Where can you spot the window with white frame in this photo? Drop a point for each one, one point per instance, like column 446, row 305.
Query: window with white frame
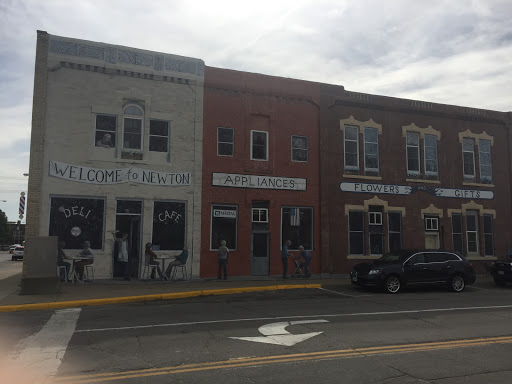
column 299, row 148
column 351, row 147
column 488, row 235
column 133, row 118
column 375, row 218
column 105, row 136
column 371, row 150
column 472, row 231
column 394, row 231
column 225, row 141
column 432, row 224
column 413, row 153
column 468, row 155
column 158, row 136
column 457, row 234
column 430, row 151
column 484, row 157
column 356, row 233
column 259, row 145
column 224, row 226
column 260, row 215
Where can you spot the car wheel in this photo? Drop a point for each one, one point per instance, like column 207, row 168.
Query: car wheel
column 457, row 283
column 393, row 284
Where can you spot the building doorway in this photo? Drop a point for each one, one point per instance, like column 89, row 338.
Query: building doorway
column 260, row 254
column 128, row 220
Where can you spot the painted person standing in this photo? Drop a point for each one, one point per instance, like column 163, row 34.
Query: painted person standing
column 306, row 256
column 284, row 258
column 223, row 260
column 122, row 254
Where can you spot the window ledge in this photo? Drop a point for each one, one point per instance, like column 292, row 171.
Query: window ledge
column 424, row 181
column 362, row 257
column 478, row 184
column 476, row 257
column 362, row 177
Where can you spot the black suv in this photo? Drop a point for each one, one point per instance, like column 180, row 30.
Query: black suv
column 409, row 267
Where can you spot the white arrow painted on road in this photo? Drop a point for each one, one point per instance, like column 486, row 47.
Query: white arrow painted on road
column 275, row 333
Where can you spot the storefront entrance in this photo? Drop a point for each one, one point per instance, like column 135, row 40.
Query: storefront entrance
column 128, row 220
column 260, row 254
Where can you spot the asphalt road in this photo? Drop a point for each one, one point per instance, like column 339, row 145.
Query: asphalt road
column 352, row 336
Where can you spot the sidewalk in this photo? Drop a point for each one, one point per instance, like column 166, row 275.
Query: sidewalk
column 118, row 291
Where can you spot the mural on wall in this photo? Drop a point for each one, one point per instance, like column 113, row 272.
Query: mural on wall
column 256, row 181
column 407, row 190
column 75, row 220
column 169, row 225
column 116, row 176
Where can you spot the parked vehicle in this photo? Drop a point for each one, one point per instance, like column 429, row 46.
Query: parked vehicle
column 398, row 269
column 501, row 271
column 18, row 253
column 13, row 247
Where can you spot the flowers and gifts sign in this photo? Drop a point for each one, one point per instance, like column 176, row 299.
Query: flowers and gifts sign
column 102, row 176
column 407, row 190
column 258, row 182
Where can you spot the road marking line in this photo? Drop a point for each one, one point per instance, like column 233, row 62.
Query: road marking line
column 413, row 311
column 258, row 361
column 344, row 294
column 42, row 352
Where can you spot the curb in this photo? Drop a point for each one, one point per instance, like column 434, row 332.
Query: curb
column 160, row 296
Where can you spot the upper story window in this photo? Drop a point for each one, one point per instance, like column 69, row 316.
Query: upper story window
column 484, row 156
column 430, row 151
column 260, row 215
column 225, row 141
column 351, row 148
column 431, row 223
column 158, row 136
column 299, row 148
column 105, row 136
column 371, row 150
column 468, row 155
column 259, row 145
column 413, row 153
column 133, row 118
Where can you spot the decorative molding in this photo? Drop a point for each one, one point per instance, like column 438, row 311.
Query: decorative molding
column 362, row 177
column 376, row 201
column 423, row 181
column 478, row 184
column 431, row 210
column 489, row 212
column 477, row 136
column 422, row 131
column 451, row 211
column 361, row 124
column 351, row 207
column 472, row 206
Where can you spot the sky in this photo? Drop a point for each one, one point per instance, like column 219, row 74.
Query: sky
column 444, row 51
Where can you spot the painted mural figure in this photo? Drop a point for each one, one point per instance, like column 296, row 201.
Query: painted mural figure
column 305, row 256
column 105, row 141
column 284, row 258
column 181, row 259
column 60, row 260
column 87, row 258
column 121, row 253
column 223, row 260
column 150, row 260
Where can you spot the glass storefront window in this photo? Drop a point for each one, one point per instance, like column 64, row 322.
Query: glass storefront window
column 169, row 224
column 224, row 226
column 297, row 226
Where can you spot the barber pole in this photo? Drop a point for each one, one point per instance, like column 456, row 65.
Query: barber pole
column 22, row 204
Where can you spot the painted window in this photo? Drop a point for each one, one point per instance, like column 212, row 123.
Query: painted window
column 297, row 226
column 457, row 234
column 356, row 232
column 260, row 215
column 158, row 136
column 169, row 225
column 225, row 141
column 394, row 231
column 430, row 151
column 488, row 235
column 432, row 224
column 371, row 150
column 375, row 218
column 468, row 155
column 259, row 145
column 133, row 118
column 77, row 219
column 224, row 226
column 351, row 147
column 375, row 231
column 413, row 153
column 105, row 136
column 484, row 157
column 299, row 148
column 472, row 231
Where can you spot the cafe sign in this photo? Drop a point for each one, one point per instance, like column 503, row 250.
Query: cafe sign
column 258, row 182
column 391, row 189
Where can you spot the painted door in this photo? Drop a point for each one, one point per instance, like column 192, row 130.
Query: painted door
column 431, row 240
column 259, row 254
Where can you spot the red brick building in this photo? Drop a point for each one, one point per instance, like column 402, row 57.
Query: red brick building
column 400, row 173
column 260, row 171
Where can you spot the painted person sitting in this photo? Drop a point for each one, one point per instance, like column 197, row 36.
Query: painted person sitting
column 181, row 259
column 87, row 258
column 151, row 262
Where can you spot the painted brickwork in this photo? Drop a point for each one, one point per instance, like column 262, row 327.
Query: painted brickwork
column 281, row 107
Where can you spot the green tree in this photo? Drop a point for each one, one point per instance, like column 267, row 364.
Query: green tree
column 4, row 228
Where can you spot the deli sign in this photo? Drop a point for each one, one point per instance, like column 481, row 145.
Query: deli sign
column 390, row 189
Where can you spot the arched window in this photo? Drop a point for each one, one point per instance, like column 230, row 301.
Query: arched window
column 133, row 118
